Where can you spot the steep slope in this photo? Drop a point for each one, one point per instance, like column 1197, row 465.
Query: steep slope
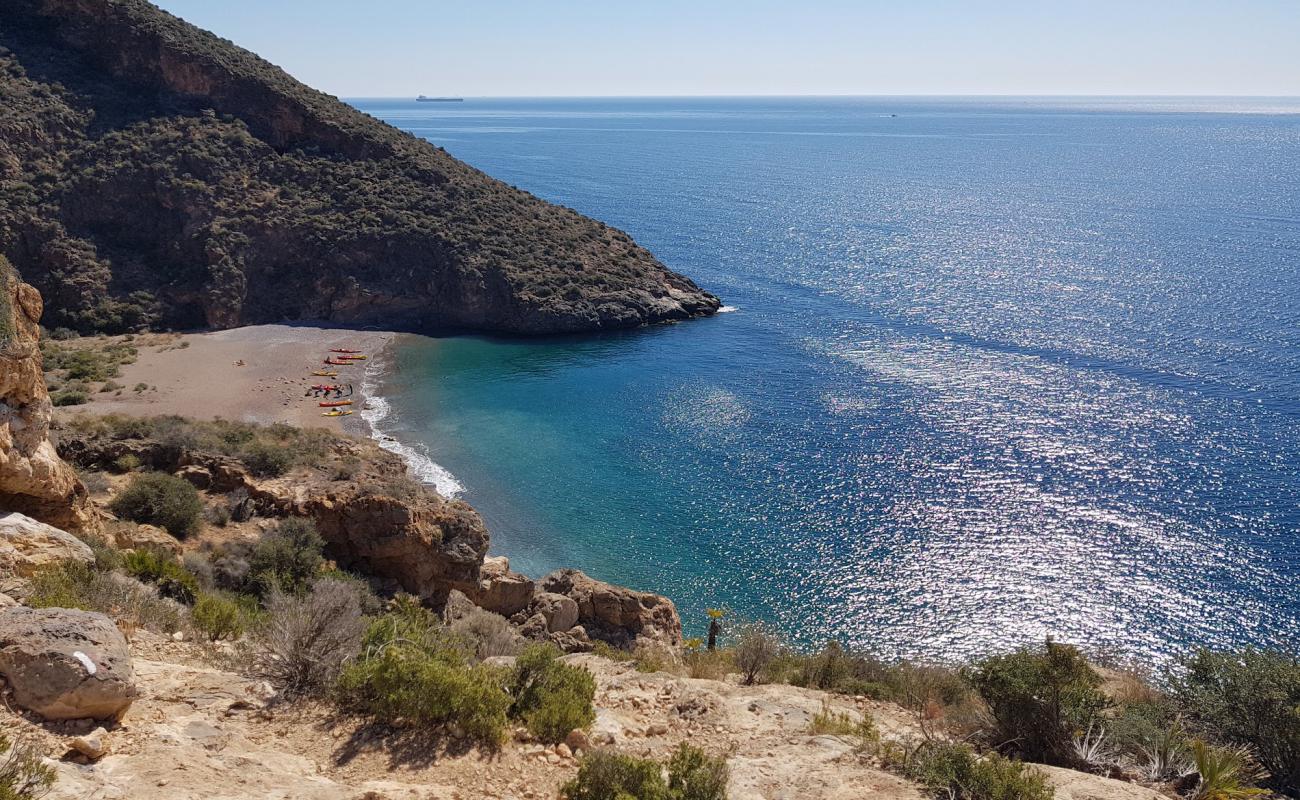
column 33, row 479
column 152, row 173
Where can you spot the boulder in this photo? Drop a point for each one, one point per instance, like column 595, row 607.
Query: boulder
column 561, row 612
column 615, row 614
column 1068, row 784
column 93, row 745
column 27, row 546
column 66, row 664
column 33, row 479
column 499, row 590
column 130, row 536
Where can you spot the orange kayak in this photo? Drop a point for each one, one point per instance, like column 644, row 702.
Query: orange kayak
column 334, row 403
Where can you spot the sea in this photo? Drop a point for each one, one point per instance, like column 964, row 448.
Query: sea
column 989, row 369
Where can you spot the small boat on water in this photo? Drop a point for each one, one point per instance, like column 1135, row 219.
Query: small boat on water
column 326, row 373
column 342, row 350
column 335, row 403
column 338, row 412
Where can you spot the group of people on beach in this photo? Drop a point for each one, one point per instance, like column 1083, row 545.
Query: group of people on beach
column 324, row 390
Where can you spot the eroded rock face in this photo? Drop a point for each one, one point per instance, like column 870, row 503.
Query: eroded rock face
column 27, row 546
column 614, row 613
column 33, row 479
column 66, row 664
column 499, row 590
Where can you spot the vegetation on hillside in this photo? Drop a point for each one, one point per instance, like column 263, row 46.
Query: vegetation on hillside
column 132, row 200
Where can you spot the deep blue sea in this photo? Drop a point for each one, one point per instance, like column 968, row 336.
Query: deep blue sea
column 997, row 369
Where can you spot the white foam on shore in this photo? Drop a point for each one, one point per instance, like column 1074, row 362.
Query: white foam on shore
column 375, row 410
column 727, row 309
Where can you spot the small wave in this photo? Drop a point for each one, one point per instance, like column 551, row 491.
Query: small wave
column 727, row 309
column 424, row 468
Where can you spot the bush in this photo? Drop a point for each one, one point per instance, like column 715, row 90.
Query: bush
column 160, row 569
column 156, row 498
column 411, row 670
column 1250, row 697
column 1225, row 773
column 306, row 640
column 127, row 462
column 830, row 722
column 23, row 776
column 551, row 697
column 607, row 775
column 755, row 650
column 107, row 557
column 126, row 600
column 1039, row 698
column 693, row 775
column 266, row 460
column 956, row 772
column 487, row 634
column 70, row 397
column 287, row 558
column 220, row 615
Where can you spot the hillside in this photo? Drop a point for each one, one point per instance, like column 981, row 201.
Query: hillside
column 152, row 173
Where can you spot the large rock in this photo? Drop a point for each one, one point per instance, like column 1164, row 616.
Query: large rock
column 559, row 611
column 130, row 536
column 499, row 590
column 27, row 546
column 66, row 664
column 33, row 479
column 1068, row 784
column 615, row 614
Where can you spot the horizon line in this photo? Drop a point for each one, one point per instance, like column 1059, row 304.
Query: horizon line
column 1083, row 95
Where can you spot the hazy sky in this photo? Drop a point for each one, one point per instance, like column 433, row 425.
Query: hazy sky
column 357, row 48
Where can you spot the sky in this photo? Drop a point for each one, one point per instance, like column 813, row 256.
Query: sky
column 477, row 48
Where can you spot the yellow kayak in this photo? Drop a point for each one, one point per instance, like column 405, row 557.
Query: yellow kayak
column 336, row 413
column 352, row 358
column 326, row 373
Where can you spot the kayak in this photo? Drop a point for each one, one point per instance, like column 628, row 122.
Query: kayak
column 342, row 350
column 326, row 373
column 334, row 363
column 353, row 358
column 325, row 387
column 333, row 403
column 338, row 412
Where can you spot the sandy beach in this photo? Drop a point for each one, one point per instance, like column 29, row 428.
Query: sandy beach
column 255, row 374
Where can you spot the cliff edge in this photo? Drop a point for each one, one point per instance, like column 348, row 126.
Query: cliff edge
column 152, row 173
column 33, row 479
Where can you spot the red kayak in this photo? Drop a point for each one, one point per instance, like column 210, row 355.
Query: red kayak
column 325, row 387
column 335, row 403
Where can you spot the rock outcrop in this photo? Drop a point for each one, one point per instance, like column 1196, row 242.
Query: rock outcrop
column 33, row 479
column 614, row 613
column 27, row 546
column 66, row 664
column 151, row 172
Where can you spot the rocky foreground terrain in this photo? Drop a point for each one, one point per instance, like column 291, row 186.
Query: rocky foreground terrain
column 154, row 174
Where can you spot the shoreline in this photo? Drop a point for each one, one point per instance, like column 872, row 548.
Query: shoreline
column 200, row 375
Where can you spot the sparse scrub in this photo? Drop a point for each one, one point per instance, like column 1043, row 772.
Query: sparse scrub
column 956, row 772
column 829, row 722
column 23, row 776
column 487, row 634
column 756, row 648
column 156, row 498
column 1039, row 697
column 220, row 615
column 551, row 697
column 74, row 585
column 1251, row 698
column 287, row 558
column 161, row 569
column 306, row 640
column 609, row 775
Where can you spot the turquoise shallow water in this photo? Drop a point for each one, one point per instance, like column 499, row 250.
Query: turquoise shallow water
column 998, row 368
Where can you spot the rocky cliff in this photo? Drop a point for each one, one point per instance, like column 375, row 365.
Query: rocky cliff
column 152, row 173
column 33, row 479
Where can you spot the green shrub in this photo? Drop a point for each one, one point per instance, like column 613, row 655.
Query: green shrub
column 23, row 776
column 107, row 557
column 267, row 460
column 830, row 722
column 1225, row 773
column 551, row 697
column 70, row 397
column 160, row 569
column 412, row 669
column 487, row 634
column 1252, row 698
column 220, row 615
column 608, row 775
column 127, row 462
column 1039, row 698
column 74, row 585
column 288, row 558
column 694, row 775
column 956, row 772
column 156, row 498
